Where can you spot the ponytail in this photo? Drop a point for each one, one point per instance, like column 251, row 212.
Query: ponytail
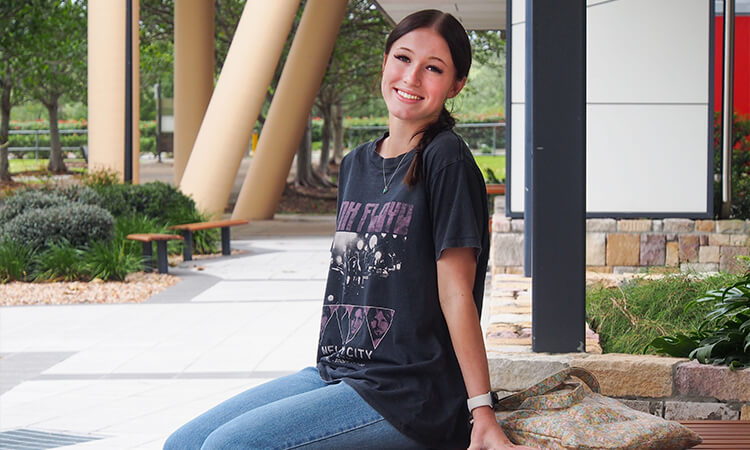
column 444, row 122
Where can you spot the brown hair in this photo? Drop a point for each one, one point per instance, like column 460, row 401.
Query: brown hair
column 458, row 42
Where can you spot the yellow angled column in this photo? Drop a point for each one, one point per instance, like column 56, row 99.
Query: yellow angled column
column 236, row 102
column 193, row 74
column 298, row 86
column 106, row 86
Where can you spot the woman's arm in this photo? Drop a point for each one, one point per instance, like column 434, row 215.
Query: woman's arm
column 456, row 268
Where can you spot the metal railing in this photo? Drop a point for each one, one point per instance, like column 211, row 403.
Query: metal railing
column 46, row 148
column 487, row 143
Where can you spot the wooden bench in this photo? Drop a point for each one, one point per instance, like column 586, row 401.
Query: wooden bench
column 721, row 434
column 161, row 249
column 495, row 189
column 188, row 229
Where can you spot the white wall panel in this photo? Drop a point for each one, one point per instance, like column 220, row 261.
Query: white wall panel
column 647, row 105
column 648, row 51
column 646, row 157
column 518, row 11
column 516, row 146
column 518, row 63
column 518, row 157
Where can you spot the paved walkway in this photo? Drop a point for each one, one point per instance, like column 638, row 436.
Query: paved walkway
column 130, row 374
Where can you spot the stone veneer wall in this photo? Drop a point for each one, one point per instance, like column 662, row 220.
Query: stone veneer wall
column 672, row 388
column 631, row 245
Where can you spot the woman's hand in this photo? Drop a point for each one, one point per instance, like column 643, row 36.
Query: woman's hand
column 487, row 433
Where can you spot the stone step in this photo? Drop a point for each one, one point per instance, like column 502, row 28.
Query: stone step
column 511, row 309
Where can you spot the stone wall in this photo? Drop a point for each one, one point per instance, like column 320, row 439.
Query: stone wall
column 631, row 245
column 673, row 388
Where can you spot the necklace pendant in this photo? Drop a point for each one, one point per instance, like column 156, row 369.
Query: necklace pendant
column 385, row 189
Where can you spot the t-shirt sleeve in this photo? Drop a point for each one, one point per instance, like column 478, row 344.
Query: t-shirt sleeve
column 458, row 205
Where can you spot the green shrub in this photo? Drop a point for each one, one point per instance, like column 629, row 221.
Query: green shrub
column 80, row 194
column 60, row 262
column 629, row 317
column 27, row 200
column 45, row 197
column 77, row 223
column 111, row 261
column 157, row 200
column 15, row 260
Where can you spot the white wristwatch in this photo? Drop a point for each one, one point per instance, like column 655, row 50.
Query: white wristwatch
column 480, row 400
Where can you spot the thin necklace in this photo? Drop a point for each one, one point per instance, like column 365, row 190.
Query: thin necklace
column 388, row 183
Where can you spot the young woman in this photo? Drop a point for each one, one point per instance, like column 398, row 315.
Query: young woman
column 401, row 347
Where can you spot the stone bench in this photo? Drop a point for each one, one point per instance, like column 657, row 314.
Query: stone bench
column 187, row 230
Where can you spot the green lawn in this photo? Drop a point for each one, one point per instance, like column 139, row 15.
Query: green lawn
column 23, row 165
column 494, row 163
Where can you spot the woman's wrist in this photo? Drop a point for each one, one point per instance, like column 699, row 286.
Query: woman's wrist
column 482, row 414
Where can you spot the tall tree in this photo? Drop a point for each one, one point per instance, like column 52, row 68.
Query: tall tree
column 57, row 62
column 14, row 39
column 352, row 74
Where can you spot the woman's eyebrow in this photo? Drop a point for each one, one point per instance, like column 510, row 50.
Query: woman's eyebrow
column 407, row 49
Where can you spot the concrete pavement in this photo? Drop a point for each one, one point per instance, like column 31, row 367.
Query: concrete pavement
column 125, row 376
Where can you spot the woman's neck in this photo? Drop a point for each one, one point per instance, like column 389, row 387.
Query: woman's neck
column 402, row 137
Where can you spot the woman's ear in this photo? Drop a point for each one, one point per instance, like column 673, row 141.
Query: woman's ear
column 382, row 67
column 456, row 88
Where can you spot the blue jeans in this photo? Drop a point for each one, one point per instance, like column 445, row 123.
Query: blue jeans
column 296, row 411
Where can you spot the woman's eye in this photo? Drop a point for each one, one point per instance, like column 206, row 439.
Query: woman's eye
column 402, row 58
column 435, row 69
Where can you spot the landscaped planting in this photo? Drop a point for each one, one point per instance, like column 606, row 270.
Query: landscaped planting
column 79, row 232
column 723, row 337
column 701, row 317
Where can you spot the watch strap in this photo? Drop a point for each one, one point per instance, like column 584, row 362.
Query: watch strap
column 479, row 400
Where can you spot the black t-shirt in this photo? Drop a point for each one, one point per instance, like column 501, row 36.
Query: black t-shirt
column 382, row 329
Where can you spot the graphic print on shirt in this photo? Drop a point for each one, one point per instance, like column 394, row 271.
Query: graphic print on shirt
column 369, row 245
column 349, row 319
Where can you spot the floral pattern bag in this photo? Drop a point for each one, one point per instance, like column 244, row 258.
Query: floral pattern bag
column 560, row 413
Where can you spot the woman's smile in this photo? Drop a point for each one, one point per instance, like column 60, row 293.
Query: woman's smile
column 407, row 96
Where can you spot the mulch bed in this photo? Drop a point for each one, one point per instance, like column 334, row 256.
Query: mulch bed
column 136, row 288
column 305, row 200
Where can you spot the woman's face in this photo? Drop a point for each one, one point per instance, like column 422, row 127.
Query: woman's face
column 418, row 76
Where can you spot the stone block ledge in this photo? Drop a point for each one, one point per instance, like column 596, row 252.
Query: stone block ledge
column 634, row 245
column 673, row 388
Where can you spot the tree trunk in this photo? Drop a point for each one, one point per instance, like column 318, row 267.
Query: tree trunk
column 325, row 147
column 338, row 133
column 306, row 176
column 4, row 127
column 56, row 162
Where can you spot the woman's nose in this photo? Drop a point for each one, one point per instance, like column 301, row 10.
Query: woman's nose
column 411, row 76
